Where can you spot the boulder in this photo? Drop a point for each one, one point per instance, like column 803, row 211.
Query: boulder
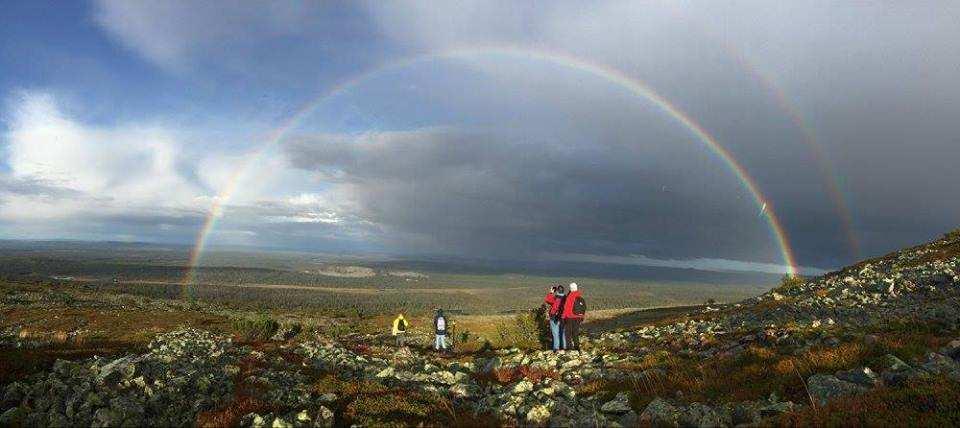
column 462, row 390
column 952, row 349
column 940, row 364
column 538, row 415
column 619, row 405
column 825, row 388
column 702, row 415
column 281, row 423
column 773, row 408
column 862, row 376
column 255, row 420
column 661, row 413
column 522, row 387
column 891, row 362
column 897, row 372
column 385, row 373
column 324, row 417
column 117, row 370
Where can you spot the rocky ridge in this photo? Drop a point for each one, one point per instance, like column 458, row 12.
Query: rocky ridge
column 187, row 372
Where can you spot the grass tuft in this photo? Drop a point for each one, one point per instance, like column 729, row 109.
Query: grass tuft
column 258, row 328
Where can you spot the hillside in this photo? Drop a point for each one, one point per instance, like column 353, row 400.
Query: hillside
column 875, row 344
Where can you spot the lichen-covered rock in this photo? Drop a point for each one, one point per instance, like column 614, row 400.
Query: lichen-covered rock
column 702, row 415
column 897, row 372
column 952, row 349
column 939, row 364
column 539, row 414
column 825, row 388
column 619, row 405
column 862, row 376
column 661, row 413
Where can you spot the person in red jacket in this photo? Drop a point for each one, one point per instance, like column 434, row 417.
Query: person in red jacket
column 554, row 301
column 574, row 309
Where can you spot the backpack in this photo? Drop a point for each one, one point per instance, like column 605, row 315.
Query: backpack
column 579, row 306
column 402, row 325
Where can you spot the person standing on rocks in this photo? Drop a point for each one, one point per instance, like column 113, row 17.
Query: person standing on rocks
column 440, row 327
column 400, row 325
column 574, row 309
column 554, row 301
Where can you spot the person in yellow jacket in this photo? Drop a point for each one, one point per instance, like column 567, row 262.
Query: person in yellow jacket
column 400, row 325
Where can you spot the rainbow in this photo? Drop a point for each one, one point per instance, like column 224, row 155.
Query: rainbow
column 605, row 72
column 825, row 167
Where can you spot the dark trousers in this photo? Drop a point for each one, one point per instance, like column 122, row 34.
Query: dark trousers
column 571, row 331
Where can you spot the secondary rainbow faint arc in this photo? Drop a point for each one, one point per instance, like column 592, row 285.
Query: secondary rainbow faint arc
column 608, row 73
column 826, row 168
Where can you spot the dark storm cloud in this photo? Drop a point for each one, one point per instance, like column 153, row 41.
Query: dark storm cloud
column 874, row 84
column 565, row 161
column 487, row 194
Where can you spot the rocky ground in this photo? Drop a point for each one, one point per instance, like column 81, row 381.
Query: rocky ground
column 873, row 344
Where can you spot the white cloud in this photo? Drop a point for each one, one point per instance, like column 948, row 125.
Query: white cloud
column 68, row 178
column 169, row 33
column 131, row 165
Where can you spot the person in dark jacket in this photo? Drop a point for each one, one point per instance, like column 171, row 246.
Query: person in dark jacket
column 554, row 301
column 440, row 327
column 574, row 309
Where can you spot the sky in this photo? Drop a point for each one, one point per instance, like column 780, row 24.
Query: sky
column 569, row 131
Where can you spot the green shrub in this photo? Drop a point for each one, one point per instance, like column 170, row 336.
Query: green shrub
column 261, row 327
column 57, row 296
column 528, row 330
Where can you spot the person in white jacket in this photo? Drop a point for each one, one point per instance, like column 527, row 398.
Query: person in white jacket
column 440, row 327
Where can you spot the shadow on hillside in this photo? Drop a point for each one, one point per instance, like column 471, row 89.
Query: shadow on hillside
column 636, row 318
